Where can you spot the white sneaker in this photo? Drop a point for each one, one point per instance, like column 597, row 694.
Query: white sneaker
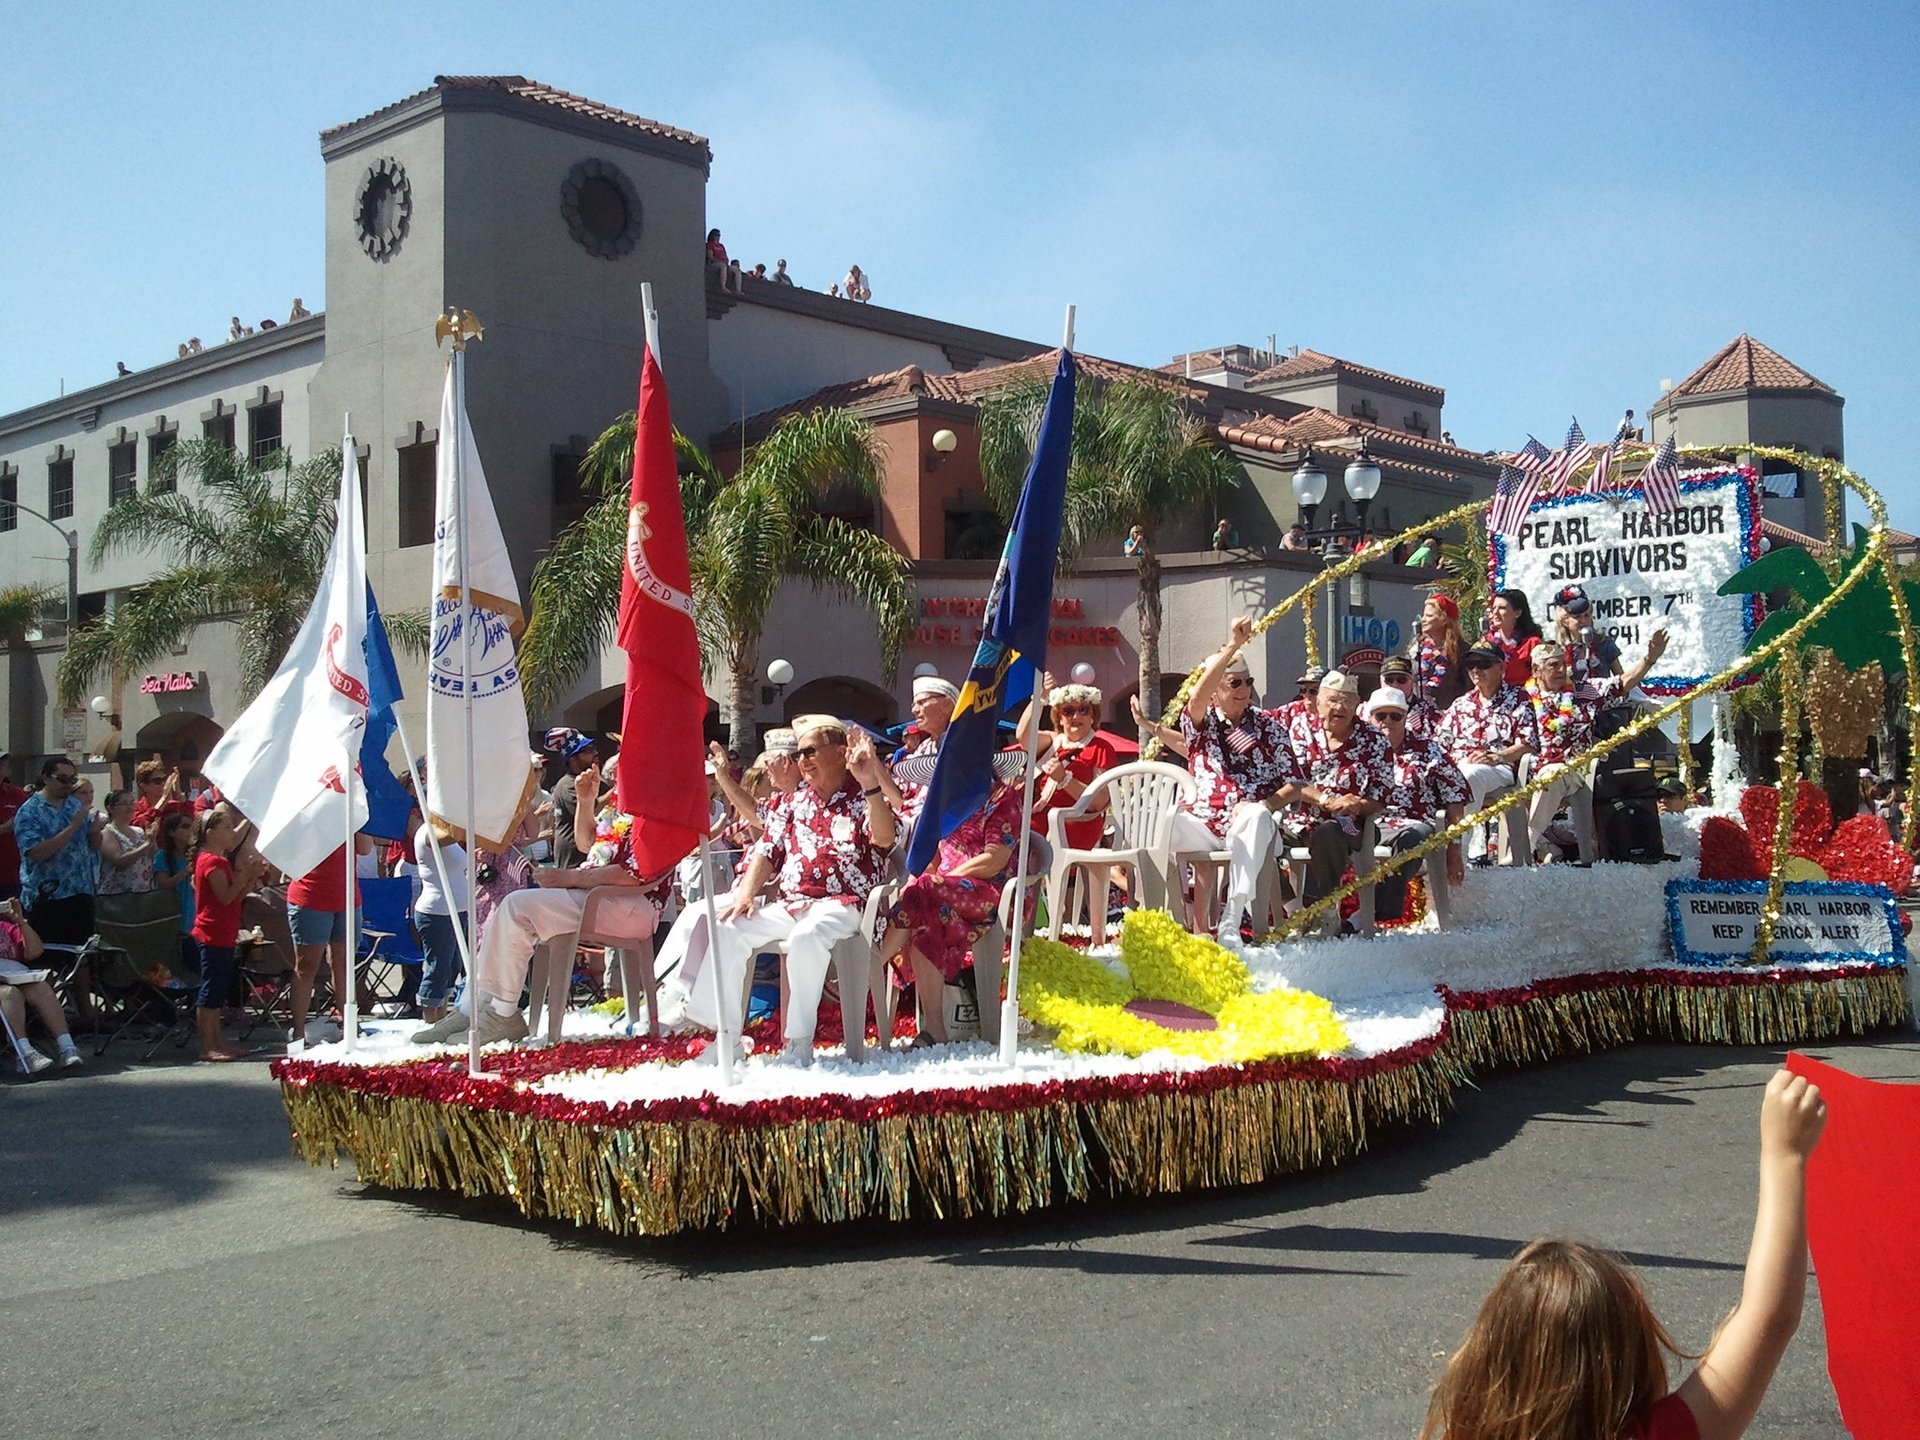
column 71, row 1058
column 32, row 1062
column 325, row 1031
column 444, row 1031
column 798, row 1053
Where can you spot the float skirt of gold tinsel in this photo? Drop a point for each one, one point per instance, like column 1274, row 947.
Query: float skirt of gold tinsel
column 661, row 1167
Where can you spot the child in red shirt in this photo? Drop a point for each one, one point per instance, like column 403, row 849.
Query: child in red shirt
column 218, row 893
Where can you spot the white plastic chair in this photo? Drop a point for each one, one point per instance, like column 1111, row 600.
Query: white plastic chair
column 603, row 923
column 1142, row 799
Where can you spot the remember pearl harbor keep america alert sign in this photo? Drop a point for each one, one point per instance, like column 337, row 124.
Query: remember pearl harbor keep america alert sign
column 1645, row 572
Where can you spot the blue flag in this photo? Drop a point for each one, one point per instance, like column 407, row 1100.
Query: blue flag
column 1019, row 611
column 388, row 803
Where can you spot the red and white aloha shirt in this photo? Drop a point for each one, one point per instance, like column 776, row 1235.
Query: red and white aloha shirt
column 1363, row 766
column 1248, row 760
column 1563, row 720
column 821, row 846
column 1475, row 723
column 912, row 797
column 1425, row 782
column 1287, row 713
column 1423, row 717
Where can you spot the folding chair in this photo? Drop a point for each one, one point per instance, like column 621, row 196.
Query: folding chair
column 1142, row 798
column 388, row 946
column 266, row 964
column 138, row 935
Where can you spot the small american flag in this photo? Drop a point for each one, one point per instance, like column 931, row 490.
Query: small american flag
column 1660, row 481
column 1602, row 478
column 1559, row 474
column 1239, row 739
column 1517, row 486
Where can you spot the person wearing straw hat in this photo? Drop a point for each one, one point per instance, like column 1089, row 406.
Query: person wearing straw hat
column 1243, row 768
column 825, row 851
column 1346, row 778
column 1071, row 753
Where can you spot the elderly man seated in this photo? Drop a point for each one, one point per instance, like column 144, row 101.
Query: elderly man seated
column 825, row 850
column 527, row 918
column 1486, row 732
column 1563, row 714
column 1429, row 793
column 1345, row 778
column 1242, row 767
column 933, row 702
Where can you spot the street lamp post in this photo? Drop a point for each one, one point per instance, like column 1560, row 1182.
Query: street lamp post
column 72, row 537
column 1309, row 490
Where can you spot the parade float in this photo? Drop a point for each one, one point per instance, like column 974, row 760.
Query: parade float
column 1168, row 1064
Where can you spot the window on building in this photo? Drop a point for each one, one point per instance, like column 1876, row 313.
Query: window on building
column 263, row 430
column 122, row 470
column 1416, row 424
column 159, row 468
column 416, row 493
column 60, row 488
column 219, row 428
column 1782, row 480
column 9, row 497
column 570, row 498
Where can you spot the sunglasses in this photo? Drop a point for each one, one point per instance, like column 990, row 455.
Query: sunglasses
column 807, row 752
column 70, row 779
column 1238, row 682
column 1073, row 709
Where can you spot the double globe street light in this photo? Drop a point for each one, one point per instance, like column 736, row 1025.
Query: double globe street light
column 1309, row 490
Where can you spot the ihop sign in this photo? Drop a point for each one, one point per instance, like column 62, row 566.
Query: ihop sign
column 1370, row 631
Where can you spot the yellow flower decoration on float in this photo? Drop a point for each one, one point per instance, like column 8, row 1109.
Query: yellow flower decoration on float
column 1084, row 1003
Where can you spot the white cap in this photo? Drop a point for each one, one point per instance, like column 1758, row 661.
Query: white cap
column 934, row 685
column 1387, row 698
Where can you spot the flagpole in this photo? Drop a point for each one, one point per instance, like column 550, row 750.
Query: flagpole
column 474, row 1067
column 350, row 1002
column 1010, row 1007
column 723, row 1040
column 460, row 939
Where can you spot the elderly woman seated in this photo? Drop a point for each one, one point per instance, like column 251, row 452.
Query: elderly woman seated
column 19, row 947
column 931, row 929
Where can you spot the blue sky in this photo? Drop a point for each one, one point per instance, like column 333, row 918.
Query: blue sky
column 1545, row 208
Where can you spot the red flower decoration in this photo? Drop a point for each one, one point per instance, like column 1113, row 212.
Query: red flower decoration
column 1726, row 851
column 1859, row 849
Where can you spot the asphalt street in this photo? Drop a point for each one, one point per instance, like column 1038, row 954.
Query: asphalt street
column 168, row 1268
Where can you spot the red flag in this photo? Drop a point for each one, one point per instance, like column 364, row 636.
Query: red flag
column 661, row 770
column 1861, row 1184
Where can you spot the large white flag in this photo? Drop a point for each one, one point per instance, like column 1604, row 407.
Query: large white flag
column 502, row 780
column 286, row 760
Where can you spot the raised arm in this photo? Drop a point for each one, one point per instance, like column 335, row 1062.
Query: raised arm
column 739, row 799
column 1656, row 647
column 1724, row 1392
column 1216, row 666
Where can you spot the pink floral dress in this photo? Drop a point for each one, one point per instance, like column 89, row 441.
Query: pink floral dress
column 944, row 914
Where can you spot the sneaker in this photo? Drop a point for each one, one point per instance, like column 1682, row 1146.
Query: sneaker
column 448, row 1028
column 71, row 1058
column 32, row 1062
column 491, row 1027
column 798, row 1053
column 325, row 1031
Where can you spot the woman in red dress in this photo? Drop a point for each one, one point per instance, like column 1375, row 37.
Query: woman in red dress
column 1513, row 632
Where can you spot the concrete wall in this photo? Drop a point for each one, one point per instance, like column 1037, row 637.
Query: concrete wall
column 766, row 358
column 1806, row 421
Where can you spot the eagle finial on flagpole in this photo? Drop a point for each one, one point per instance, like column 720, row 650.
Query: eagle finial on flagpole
column 461, row 325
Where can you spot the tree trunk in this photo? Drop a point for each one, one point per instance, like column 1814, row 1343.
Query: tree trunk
column 1147, row 607
column 742, row 673
column 1840, row 778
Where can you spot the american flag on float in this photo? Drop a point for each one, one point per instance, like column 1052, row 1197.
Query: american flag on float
column 1517, row 486
column 1660, row 481
column 1602, row 478
column 1239, row 740
column 1559, row 474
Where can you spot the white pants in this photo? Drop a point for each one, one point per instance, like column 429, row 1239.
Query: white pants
column 810, row 928
column 1483, row 782
column 1571, row 788
column 525, row 919
column 1250, row 840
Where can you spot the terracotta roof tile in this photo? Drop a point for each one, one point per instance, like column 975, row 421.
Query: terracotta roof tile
column 1316, row 427
column 1745, row 364
column 522, row 88
column 1313, row 362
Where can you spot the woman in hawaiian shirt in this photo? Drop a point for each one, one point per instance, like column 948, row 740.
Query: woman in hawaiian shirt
column 941, row 912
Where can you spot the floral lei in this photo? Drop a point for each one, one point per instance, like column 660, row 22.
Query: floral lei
column 1557, row 709
column 609, row 829
column 1433, row 665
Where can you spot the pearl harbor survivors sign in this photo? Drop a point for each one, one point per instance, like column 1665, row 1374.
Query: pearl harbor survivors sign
column 1645, row 571
column 1713, row 922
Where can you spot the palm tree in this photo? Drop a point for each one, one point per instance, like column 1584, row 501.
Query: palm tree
column 21, row 608
column 1138, row 457
column 245, row 542
column 746, row 534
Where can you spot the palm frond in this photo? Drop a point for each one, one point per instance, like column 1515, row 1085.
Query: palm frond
column 576, row 596
column 811, row 453
column 409, row 632
column 22, row 608
column 834, row 555
column 147, row 628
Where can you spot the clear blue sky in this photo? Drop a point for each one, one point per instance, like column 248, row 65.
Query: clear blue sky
column 1545, row 208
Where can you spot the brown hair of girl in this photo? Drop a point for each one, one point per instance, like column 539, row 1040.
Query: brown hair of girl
column 1564, row 1348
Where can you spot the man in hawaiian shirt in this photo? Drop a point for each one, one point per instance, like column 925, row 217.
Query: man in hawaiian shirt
column 1486, row 732
column 58, row 837
column 1345, row 779
column 933, row 702
column 526, row 919
column 1305, row 699
column 1242, row 768
column 1429, row 793
column 1563, row 716
column 826, row 849
column 1423, row 716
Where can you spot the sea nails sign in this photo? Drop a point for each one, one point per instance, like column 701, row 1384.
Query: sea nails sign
column 169, row 684
column 1645, row 571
